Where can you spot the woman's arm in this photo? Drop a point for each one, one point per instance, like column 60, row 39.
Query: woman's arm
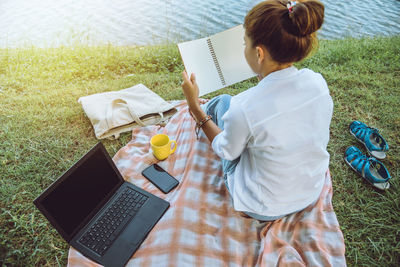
column 191, row 92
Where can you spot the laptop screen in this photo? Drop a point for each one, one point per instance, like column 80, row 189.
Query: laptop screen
column 85, row 187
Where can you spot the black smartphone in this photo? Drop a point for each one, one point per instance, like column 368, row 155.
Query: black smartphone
column 160, row 178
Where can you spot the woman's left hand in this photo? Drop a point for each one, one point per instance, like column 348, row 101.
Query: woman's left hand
column 190, row 89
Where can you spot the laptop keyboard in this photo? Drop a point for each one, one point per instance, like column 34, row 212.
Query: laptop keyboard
column 103, row 232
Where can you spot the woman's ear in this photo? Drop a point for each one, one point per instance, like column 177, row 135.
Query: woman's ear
column 260, row 54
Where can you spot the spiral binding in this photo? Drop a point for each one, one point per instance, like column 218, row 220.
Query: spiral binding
column 216, row 63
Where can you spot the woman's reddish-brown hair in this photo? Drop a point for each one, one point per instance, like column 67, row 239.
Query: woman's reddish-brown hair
column 288, row 35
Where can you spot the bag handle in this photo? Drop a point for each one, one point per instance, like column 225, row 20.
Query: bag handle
column 135, row 117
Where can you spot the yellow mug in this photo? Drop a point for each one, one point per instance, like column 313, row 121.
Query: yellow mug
column 161, row 146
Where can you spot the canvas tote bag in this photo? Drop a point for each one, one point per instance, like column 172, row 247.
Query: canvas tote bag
column 112, row 113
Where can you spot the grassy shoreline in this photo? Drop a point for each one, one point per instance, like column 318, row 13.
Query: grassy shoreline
column 43, row 131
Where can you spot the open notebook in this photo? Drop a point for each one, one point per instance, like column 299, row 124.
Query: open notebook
column 218, row 60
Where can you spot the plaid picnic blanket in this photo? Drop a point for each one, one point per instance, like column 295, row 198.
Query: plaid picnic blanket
column 201, row 228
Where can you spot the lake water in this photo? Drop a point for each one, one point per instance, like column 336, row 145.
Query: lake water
column 50, row 23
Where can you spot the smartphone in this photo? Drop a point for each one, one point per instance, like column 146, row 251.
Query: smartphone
column 160, row 178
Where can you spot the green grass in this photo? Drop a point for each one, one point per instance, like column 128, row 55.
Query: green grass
column 43, row 131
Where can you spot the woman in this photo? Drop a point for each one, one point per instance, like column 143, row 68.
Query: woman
column 272, row 138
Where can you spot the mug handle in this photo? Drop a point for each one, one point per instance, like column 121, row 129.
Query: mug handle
column 173, row 150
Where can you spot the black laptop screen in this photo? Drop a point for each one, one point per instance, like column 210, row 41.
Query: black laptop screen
column 81, row 192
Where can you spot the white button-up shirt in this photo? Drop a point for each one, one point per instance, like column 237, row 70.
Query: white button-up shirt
column 280, row 130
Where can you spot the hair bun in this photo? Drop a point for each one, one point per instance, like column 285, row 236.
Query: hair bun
column 306, row 17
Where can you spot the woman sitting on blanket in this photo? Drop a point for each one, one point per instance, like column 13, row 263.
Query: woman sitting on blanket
column 272, row 138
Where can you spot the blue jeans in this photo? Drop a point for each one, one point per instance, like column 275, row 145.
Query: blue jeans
column 217, row 107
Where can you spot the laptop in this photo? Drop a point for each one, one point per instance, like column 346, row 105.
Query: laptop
column 97, row 212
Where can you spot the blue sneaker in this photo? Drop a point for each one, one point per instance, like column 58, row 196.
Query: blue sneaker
column 368, row 167
column 370, row 137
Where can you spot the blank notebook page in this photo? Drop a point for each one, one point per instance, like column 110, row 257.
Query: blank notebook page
column 229, row 48
column 197, row 59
